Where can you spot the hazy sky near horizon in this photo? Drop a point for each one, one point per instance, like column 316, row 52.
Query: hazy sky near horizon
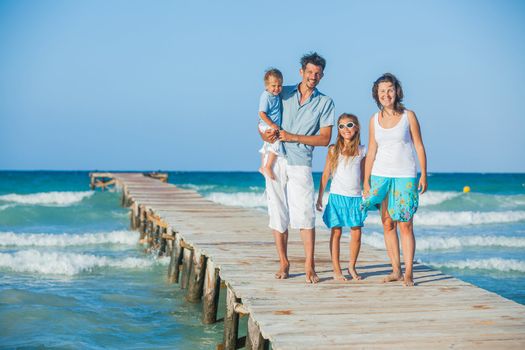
column 174, row 85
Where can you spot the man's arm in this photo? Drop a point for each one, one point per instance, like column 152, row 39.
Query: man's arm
column 323, row 139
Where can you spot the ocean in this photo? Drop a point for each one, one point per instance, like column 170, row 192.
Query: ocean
column 72, row 274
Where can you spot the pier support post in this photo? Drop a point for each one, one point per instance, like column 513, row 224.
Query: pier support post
column 210, row 299
column 135, row 216
column 254, row 339
column 187, row 261
column 196, row 278
column 231, row 322
column 142, row 223
column 176, row 260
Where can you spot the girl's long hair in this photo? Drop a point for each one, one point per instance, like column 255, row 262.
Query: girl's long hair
column 347, row 151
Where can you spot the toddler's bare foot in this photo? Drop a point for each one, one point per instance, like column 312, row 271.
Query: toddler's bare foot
column 261, row 170
column 311, row 276
column 283, row 272
column 268, row 172
column 354, row 274
column 339, row 277
column 408, row 281
column 393, row 277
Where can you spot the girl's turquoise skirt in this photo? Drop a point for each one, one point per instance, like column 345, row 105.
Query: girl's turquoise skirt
column 343, row 211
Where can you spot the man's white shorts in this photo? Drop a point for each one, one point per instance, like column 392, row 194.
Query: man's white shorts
column 290, row 197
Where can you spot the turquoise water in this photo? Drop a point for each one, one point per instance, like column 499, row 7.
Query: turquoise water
column 73, row 276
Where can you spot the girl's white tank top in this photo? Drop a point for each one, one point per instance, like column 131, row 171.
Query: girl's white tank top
column 395, row 150
column 346, row 180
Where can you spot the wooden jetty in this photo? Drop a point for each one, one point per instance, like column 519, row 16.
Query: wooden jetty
column 211, row 243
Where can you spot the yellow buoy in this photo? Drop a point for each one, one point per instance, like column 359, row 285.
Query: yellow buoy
column 466, row 189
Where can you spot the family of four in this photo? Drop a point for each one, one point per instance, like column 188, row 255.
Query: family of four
column 293, row 120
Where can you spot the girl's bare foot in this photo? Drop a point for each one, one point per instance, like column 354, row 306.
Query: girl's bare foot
column 339, row 277
column 354, row 274
column 311, row 276
column 393, row 277
column 283, row 272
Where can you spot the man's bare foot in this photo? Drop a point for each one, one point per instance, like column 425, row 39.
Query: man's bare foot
column 354, row 274
column 408, row 281
column 283, row 272
column 339, row 277
column 311, row 276
column 268, row 172
column 393, row 277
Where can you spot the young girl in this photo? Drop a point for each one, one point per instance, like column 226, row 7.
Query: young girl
column 390, row 181
column 270, row 113
column 344, row 162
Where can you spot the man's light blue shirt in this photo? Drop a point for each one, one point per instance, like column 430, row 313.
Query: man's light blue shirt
column 307, row 119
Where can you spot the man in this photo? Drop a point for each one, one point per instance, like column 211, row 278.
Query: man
column 308, row 116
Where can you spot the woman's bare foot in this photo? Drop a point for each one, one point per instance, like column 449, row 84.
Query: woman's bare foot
column 393, row 277
column 339, row 277
column 311, row 276
column 354, row 274
column 283, row 272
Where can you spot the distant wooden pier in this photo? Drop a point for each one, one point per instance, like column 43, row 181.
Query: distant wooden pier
column 210, row 243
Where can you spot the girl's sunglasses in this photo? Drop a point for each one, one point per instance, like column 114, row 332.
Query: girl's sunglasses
column 348, row 125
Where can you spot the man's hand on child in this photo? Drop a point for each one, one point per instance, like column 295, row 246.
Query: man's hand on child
column 319, row 205
column 270, row 135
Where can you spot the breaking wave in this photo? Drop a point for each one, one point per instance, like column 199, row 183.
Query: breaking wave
column 61, row 199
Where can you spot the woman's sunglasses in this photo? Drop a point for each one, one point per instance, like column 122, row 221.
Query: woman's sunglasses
column 348, row 125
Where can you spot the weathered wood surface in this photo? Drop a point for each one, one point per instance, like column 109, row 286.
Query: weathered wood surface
column 440, row 312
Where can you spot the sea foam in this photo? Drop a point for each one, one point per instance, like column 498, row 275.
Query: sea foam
column 494, row 264
column 436, row 197
column 376, row 240
column 459, row 218
column 65, row 239
column 239, row 199
column 55, row 263
column 61, row 199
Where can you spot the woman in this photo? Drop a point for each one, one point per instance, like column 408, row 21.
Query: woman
column 391, row 174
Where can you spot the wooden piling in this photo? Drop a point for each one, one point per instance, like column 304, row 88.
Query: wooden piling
column 211, row 290
column 187, row 262
column 254, row 339
column 231, row 321
column 176, row 260
column 196, row 278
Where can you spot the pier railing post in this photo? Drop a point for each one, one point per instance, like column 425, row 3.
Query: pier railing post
column 254, row 339
column 231, row 322
column 210, row 299
column 196, row 278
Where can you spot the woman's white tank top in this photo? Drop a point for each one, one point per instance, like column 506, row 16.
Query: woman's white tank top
column 395, row 150
column 346, row 180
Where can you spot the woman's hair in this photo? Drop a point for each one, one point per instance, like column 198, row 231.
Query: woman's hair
column 350, row 150
column 389, row 78
column 273, row 72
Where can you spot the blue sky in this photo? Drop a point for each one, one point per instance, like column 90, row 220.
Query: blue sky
column 174, row 85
